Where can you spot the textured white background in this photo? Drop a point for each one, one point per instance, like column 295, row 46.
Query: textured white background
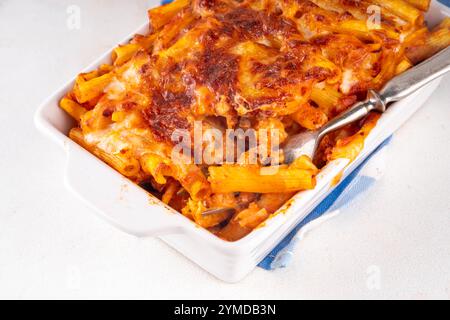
column 52, row 246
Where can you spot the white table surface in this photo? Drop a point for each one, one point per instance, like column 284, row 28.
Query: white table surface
column 392, row 243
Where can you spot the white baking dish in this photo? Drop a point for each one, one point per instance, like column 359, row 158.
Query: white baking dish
column 132, row 210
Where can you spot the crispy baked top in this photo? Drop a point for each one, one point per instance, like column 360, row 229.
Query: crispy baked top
column 254, row 59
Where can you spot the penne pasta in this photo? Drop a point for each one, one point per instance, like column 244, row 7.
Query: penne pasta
column 74, row 109
column 309, row 117
column 156, row 166
column 350, row 147
column 403, row 9
column 434, row 42
column 86, row 90
column 161, row 15
column 123, row 54
column 327, row 99
column 404, row 65
column 234, row 178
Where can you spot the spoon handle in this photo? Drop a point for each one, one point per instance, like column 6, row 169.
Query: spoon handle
column 396, row 89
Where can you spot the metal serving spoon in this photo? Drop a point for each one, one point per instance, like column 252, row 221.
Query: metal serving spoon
column 400, row 87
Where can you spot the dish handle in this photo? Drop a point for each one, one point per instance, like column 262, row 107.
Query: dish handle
column 117, row 200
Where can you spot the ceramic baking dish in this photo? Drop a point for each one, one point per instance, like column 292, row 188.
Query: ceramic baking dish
column 134, row 211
